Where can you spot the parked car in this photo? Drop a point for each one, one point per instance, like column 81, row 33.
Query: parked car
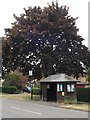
column 27, row 89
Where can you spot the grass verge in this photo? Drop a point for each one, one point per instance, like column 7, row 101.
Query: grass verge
column 23, row 96
column 82, row 106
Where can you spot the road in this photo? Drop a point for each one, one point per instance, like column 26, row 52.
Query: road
column 21, row 109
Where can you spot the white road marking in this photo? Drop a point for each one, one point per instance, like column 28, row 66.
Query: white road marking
column 26, row 110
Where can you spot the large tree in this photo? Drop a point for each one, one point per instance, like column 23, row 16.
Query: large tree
column 45, row 40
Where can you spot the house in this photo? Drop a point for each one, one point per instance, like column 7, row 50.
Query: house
column 83, row 82
column 82, row 85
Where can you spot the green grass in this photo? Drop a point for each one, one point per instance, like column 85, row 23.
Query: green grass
column 82, row 106
column 23, row 96
column 36, row 97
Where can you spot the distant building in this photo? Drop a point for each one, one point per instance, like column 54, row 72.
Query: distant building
column 83, row 83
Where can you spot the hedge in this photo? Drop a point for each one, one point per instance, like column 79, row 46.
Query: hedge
column 83, row 94
column 37, row 85
column 0, row 89
column 9, row 89
column 36, row 91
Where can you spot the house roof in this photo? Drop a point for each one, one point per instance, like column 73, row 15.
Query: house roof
column 83, row 83
column 59, row 78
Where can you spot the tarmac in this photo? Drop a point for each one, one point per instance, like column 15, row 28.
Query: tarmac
column 58, row 104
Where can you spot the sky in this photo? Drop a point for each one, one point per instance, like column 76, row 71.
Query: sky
column 77, row 8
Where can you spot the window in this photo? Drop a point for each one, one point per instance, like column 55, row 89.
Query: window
column 61, row 87
column 70, row 87
column 57, row 87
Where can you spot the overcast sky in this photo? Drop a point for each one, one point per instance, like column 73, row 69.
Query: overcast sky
column 77, row 8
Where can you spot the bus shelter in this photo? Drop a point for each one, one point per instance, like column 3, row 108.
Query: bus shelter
column 58, row 87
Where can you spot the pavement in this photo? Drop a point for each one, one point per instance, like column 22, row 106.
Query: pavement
column 62, row 105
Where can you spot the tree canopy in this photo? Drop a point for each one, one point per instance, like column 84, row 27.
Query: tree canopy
column 46, row 41
column 88, row 75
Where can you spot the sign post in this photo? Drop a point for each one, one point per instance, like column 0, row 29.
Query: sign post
column 31, row 84
column 30, row 73
column 31, row 91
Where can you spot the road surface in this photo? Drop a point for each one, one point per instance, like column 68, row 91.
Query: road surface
column 21, row 109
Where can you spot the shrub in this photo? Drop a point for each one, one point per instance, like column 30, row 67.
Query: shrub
column 88, row 75
column 12, row 79
column 83, row 94
column 36, row 91
column 9, row 89
column 37, row 85
column 0, row 89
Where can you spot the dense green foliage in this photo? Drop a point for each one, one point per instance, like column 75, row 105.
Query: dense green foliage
column 12, row 79
column 45, row 40
column 83, row 94
column 0, row 89
column 36, row 91
column 10, row 89
column 37, row 85
column 88, row 75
